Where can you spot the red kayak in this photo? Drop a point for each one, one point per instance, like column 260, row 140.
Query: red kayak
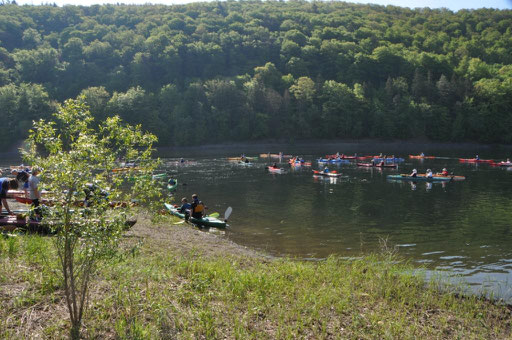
column 276, row 170
column 340, row 157
column 326, row 174
column 474, row 160
column 370, row 165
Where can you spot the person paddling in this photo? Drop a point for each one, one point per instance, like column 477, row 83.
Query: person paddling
column 414, row 173
column 444, row 172
column 429, row 174
column 5, row 185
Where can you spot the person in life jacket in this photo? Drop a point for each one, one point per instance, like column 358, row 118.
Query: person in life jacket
column 197, row 207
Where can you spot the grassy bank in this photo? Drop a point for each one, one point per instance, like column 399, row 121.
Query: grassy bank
column 177, row 282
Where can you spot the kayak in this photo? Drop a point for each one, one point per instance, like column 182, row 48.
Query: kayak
column 245, row 163
column 326, row 174
column 205, row 221
column 240, row 158
column 341, row 156
column 276, row 170
column 274, row 155
column 12, row 222
column 300, row 163
column 405, row 177
column 172, row 187
column 370, row 165
column 389, row 160
column 507, row 164
column 332, row 161
column 474, row 160
column 421, row 157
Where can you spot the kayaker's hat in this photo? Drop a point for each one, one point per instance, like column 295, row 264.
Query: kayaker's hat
column 414, row 170
column 428, row 170
column 444, row 169
column 14, row 172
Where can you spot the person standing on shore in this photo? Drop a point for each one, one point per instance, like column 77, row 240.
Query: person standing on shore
column 33, row 190
column 5, row 185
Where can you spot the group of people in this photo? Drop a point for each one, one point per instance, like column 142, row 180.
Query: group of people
column 27, row 179
column 429, row 173
column 196, row 209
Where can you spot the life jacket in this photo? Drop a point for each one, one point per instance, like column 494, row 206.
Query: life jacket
column 199, row 208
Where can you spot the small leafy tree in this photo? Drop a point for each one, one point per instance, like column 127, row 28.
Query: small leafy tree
column 75, row 158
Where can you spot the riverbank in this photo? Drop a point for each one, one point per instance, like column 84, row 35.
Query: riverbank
column 175, row 281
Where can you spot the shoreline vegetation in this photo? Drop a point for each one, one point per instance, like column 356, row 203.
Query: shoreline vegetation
column 175, row 281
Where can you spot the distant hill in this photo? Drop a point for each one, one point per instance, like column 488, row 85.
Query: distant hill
column 250, row 70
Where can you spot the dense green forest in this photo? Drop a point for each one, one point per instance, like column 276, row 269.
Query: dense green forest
column 252, row 70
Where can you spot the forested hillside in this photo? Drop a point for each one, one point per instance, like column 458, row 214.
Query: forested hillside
column 230, row 71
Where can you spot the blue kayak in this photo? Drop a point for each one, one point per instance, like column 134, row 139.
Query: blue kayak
column 332, row 161
column 389, row 160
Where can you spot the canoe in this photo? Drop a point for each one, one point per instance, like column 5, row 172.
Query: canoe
column 474, row 160
column 405, row 177
column 370, row 165
column 276, row 170
column 332, row 161
column 205, row 221
column 172, row 187
column 12, row 223
column 326, row 174
column 421, row 157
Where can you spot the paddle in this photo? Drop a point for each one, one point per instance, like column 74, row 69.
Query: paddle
column 179, row 222
column 227, row 213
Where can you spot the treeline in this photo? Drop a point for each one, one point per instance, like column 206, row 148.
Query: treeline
column 230, row 71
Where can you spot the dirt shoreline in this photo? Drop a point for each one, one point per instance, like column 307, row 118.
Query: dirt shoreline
column 188, row 238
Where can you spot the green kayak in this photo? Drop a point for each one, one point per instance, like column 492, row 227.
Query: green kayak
column 173, row 187
column 205, row 221
column 419, row 178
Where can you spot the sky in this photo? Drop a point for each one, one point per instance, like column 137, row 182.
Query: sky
column 453, row 5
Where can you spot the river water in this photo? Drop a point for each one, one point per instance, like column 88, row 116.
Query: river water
column 460, row 228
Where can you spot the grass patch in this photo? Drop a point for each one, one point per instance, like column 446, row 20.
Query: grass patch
column 163, row 287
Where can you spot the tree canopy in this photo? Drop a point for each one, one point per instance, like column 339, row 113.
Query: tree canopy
column 230, row 71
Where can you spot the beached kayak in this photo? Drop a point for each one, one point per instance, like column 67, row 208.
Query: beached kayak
column 205, row 221
column 326, row 174
column 276, row 170
column 474, row 160
column 370, row 165
column 405, row 177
